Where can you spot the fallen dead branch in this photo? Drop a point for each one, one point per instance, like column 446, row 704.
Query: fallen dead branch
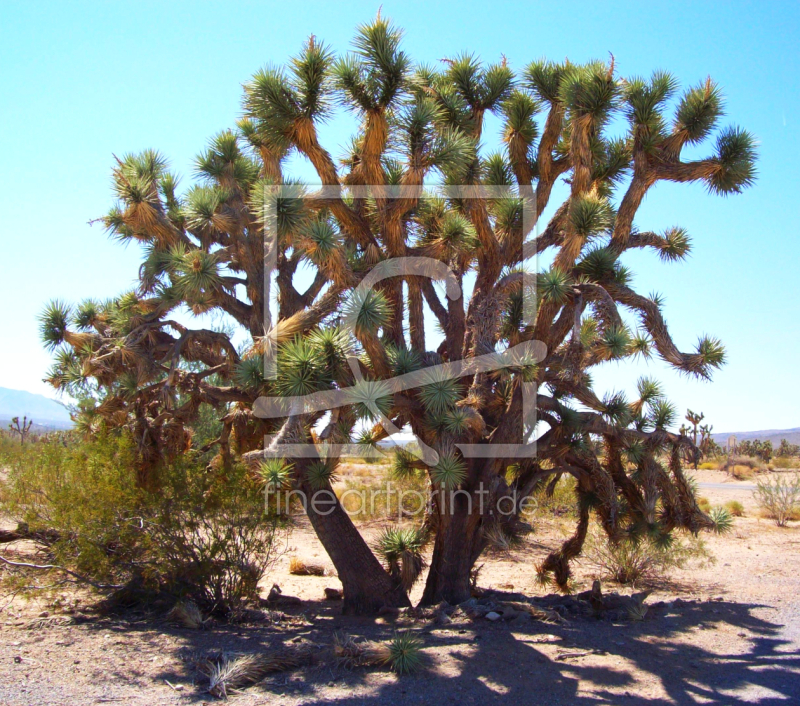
column 56, row 567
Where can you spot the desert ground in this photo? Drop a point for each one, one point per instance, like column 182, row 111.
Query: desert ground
column 726, row 632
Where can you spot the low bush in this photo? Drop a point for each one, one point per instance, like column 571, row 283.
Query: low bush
column 743, row 467
column 779, row 498
column 633, row 561
column 784, row 462
column 735, row 508
column 556, row 498
column 201, row 535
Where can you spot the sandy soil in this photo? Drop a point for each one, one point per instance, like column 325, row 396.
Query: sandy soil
column 722, row 634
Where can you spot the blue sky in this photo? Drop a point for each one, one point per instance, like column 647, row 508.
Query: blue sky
column 81, row 81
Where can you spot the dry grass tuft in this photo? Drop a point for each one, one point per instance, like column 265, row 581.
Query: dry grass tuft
column 545, row 615
column 735, row 508
column 350, row 653
column 300, row 568
column 743, row 467
column 187, row 614
column 236, row 672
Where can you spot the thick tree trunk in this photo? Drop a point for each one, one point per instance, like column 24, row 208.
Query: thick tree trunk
column 454, row 553
column 367, row 586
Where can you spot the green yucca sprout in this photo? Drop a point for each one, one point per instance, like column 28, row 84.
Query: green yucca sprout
column 662, row 414
column 368, row 309
column 635, row 451
column 616, row 341
column 554, row 285
column 649, row 389
column 129, row 385
column 676, row 244
column 589, row 90
column 397, row 544
column 598, row 264
column 334, row 344
column 456, row 233
column 641, row 345
column 197, row 272
column 590, row 215
column 508, row 216
column 736, row 156
column 403, row 360
column 249, row 373
column 616, row 408
column 310, row 71
column 519, row 110
column 450, row 472
column 497, row 171
column 323, row 240
column 698, row 111
column 53, row 322
column 201, row 206
column 456, row 420
column 588, row 331
column 722, row 519
column 439, row 393
column 711, row 352
column 300, row 369
column 276, row 473
column 524, row 366
column 319, row 474
column 86, row 314
column 404, row 465
column 371, row 399
column 544, row 79
column 405, row 653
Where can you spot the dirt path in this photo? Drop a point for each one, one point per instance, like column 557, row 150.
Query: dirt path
column 724, row 634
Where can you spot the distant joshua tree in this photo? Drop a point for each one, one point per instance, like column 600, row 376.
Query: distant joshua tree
column 419, row 131
column 787, row 449
column 20, row 429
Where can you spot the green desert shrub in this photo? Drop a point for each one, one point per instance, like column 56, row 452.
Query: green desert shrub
column 785, row 462
column 735, row 508
column 201, row 535
column 644, row 559
column 779, row 498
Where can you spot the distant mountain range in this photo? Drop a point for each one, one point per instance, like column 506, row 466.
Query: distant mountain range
column 773, row 435
column 45, row 413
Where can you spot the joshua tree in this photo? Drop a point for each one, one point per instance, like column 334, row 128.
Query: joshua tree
column 21, row 430
column 418, row 127
column 787, row 449
column 694, row 419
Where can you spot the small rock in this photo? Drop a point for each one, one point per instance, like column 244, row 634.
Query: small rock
column 493, row 616
column 333, row 594
column 44, row 614
column 17, row 659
